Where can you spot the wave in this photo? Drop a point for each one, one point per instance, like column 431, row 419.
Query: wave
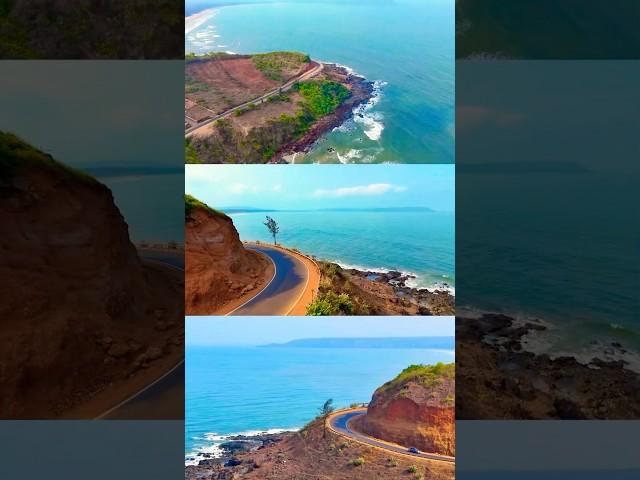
column 417, row 282
column 544, row 342
column 372, row 122
column 213, row 450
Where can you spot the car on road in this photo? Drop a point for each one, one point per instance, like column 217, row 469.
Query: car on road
column 413, row 450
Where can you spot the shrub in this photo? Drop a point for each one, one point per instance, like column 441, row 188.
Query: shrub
column 357, row 462
column 323, row 96
column 330, row 303
column 412, row 469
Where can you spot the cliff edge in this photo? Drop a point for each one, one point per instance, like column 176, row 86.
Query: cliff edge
column 79, row 306
column 220, row 271
column 416, row 409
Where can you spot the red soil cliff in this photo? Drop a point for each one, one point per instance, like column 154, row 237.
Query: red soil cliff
column 416, row 409
column 78, row 305
column 219, row 269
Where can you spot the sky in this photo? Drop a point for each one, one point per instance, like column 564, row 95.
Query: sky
column 90, row 113
column 251, row 331
column 322, row 186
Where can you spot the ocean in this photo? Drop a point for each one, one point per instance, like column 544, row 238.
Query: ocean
column 406, row 47
column 231, row 390
column 550, row 246
column 152, row 205
column 419, row 243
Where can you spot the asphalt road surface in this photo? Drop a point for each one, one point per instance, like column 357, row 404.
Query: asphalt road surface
column 285, row 289
column 340, row 423
column 163, row 398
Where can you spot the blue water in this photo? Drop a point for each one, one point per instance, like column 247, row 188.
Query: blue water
column 407, row 46
column 152, row 206
column 550, row 246
column 421, row 243
column 247, row 389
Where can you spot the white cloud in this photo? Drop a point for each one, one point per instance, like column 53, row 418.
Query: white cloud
column 240, row 188
column 360, row 190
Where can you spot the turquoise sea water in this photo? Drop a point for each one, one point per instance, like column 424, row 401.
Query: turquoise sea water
column 421, row 243
column 251, row 389
column 406, row 46
column 152, row 206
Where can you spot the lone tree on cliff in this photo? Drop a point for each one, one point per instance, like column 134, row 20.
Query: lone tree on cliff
column 325, row 411
column 273, row 227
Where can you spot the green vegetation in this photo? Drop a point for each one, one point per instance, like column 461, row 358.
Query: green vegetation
column 190, row 154
column 326, row 410
column 191, row 203
column 273, row 64
column 412, row 469
column 322, row 97
column 190, row 57
column 15, row 152
column 191, row 85
column 357, row 462
column 331, row 303
column 273, row 228
column 429, row 376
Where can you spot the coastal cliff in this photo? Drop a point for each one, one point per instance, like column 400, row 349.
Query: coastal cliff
column 219, row 270
column 416, row 409
column 266, row 107
column 82, row 307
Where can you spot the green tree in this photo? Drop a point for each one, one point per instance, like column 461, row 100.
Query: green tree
column 326, row 410
column 273, row 227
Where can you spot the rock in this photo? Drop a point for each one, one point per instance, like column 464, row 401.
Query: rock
column 153, row 353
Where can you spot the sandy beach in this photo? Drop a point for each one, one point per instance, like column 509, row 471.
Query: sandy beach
column 194, row 21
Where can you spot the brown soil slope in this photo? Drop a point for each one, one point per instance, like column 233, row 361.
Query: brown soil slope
column 79, row 308
column 219, row 270
column 315, row 454
column 416, row 409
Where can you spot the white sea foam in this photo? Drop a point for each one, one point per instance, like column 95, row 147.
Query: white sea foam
column 349, row 156
column 372, row 122
column 213, row 449
column 544, row 342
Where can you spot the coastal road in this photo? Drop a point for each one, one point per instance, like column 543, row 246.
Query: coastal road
column 164, row 397
column 339, row 423
column 289, row 283
column 287, row 86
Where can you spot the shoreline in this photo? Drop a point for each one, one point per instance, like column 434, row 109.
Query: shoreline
column 363, row 91
column 500, row 379
column 195, row 20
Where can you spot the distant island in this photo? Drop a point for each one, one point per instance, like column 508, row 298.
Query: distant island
column 445, row 343
column 264, row 108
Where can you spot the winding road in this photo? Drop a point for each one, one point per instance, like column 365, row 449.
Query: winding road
column 286, row 288
column 164, row 397
column 339, row 423
column 276, row 91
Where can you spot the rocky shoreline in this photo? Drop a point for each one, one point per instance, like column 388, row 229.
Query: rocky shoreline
column 362, row 91
column 498, row 379
column 437, row 302
column 218, row 466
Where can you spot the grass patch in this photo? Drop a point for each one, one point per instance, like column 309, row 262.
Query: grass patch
column 273, row 64
column 15, row 152
column 357, row 462
column 428, row 376
column 191, row 203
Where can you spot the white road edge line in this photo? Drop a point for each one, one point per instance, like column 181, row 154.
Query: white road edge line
column 303, row 290
column 275, row 271
column 126, row 400
column 139, row 392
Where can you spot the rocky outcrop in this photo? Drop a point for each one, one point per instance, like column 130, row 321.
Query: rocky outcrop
column 416, row 409
column 219, row 268
column 78, row 303
column 499, row 379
